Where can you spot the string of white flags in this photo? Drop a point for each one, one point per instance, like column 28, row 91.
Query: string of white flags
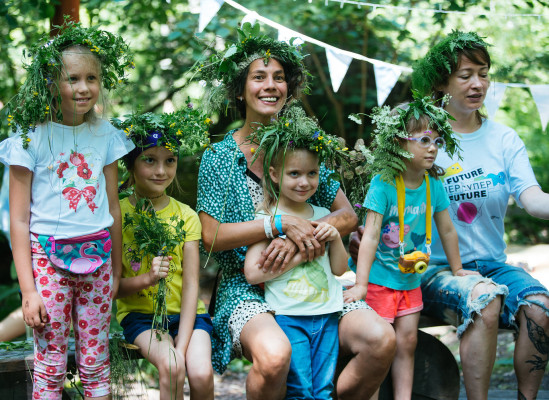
column 386, row 74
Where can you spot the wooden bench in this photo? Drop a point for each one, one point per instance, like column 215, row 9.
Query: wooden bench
column 436, row 371
column 17, row 368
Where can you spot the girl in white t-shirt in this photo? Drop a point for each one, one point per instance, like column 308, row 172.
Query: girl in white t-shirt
column 64, row 210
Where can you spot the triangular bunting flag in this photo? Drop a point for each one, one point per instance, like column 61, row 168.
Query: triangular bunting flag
column 386, row 78
column 208, row 10
column 540, row 93
column 250, row 17
column 338, row 64
column 493, row 98
column 284, row 35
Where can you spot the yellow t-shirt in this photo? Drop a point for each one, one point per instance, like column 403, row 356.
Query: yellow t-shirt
column 142, row 301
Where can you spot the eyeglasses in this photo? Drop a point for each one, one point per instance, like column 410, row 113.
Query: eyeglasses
column 427, row 141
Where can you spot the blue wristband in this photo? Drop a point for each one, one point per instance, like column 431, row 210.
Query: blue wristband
column 278, row 224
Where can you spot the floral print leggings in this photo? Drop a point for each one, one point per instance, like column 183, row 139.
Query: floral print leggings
column 86, row 301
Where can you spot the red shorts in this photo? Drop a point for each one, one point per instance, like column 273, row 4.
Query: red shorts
column 391, row 303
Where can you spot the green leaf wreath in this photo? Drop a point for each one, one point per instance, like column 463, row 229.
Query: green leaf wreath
column 184, row 132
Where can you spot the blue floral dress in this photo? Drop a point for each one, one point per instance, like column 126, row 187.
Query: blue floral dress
column 223, row 194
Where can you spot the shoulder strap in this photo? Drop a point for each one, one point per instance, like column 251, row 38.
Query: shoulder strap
column 401, row 202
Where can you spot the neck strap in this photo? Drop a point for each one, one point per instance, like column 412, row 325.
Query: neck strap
column 401, row 200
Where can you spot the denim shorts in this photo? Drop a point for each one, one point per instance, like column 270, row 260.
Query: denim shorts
column 136, row 323
column 448, row 297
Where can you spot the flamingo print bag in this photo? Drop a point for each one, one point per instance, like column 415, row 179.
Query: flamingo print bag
column 81, row 254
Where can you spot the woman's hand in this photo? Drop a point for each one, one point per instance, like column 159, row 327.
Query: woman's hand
column 34, row 311
column 465, row 272
column 160, row 267
column 325, row 232
column 301, row 232
column 357, row 292
column 277, row 255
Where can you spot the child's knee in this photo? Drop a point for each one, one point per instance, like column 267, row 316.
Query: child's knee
column 172, row 369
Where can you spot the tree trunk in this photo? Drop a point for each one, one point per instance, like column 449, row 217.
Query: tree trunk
column 71, row 8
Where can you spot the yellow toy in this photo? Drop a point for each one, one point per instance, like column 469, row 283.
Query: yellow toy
column 416, row 261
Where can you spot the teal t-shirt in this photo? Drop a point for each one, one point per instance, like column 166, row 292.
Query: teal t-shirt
column 382, row 198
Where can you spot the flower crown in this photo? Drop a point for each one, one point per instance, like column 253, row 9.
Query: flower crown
column 33, row 102
column 295, row 130
column 429, row 69
column 385, row 155
column 220, row 73
column 184, row 132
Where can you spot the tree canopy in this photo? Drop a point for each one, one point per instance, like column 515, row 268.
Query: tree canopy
column 163, row 35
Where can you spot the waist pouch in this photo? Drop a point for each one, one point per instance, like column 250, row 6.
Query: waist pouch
column 79, row 255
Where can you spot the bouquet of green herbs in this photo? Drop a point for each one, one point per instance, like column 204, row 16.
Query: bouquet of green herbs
column 153, row 237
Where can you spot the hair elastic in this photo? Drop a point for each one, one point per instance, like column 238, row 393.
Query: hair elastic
column 278, row 224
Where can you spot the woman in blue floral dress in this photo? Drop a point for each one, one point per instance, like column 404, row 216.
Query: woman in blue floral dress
column 259, row 75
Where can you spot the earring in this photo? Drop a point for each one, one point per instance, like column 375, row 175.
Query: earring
column 240, row 98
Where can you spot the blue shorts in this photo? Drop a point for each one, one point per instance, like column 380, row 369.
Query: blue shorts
column 136, row 323
column 448, row 297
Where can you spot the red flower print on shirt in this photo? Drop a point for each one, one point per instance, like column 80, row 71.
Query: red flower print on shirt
column 51, row 270
column 44, row 280
column 56, row 325
column 51, row 370
column 42, row 262
column 98, row 300
column 49, row 335
column 88, row 287
column 83, row 301
column 39, row 356
column 46, row 293
column 62, row 167
column 92, row 343
column 84, row 171
column 77, row 158
column 59, row 297
column 63, row 281
column 94, row 331
column 104, row 308
column 89, row 360
column 83, row 324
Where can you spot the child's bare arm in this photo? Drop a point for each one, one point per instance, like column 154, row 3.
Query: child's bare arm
column 325, row 232
column 111, row 179
column 34, row 311
column 252, row 269
column 366, row 256
column 449, row 239
column 189, row 295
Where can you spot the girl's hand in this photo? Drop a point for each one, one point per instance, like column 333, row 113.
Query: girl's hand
column 465, row 272
column 277, row 255
column 160, row 267
column 357, row 292
column 34, row 311
column 301, row 232
column 325, row 232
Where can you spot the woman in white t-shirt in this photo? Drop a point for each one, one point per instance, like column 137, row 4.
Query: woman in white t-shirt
column 494, row 167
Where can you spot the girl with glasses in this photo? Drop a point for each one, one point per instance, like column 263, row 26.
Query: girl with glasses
column 403, row 196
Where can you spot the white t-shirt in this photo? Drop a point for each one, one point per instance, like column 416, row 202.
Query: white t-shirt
column 307, row 289
column 495, row 166
column 68, row 191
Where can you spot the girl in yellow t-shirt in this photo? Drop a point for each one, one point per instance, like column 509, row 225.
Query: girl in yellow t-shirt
column 184, row 344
